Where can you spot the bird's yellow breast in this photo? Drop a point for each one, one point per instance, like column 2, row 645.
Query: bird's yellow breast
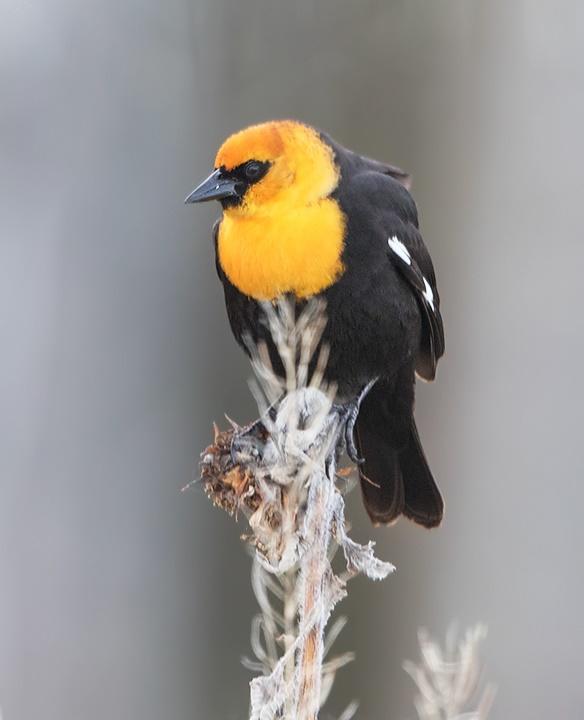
column 296, row 250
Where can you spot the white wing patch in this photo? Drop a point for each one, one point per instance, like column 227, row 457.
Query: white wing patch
column 428, row 294
column 400, row 250
column 397, row 246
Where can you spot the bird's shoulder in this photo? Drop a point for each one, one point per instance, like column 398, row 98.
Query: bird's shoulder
column 379, row 206
column 376, row 184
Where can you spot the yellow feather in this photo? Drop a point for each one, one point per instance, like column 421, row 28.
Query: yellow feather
column 287, row 235
column 298, row 252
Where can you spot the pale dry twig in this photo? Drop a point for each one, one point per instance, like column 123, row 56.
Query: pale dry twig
column 280, row 472
column 448, row 680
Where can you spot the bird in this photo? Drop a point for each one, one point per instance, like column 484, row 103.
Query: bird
column 304, row 217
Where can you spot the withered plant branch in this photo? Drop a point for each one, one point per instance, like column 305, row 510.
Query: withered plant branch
column 280, row 473
column 448, row 680
column 314, row 578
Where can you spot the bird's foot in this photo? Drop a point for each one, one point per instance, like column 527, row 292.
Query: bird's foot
column 349, row 412
column 248, row 440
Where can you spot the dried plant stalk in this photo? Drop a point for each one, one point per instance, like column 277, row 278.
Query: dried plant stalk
column 280, row 473
column 313, row 577
column 448, row 680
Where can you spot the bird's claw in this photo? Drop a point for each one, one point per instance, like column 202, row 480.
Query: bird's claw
column 350, row 445
column 245, row 441
column 242, row 447
column 248, row 439
column 349, row 413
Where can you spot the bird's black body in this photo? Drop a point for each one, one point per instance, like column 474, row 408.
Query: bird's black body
column 383, row 323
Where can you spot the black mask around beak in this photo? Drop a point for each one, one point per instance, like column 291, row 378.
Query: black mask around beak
column 218, row 186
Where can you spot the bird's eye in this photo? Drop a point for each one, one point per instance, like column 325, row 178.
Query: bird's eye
column 254, row 170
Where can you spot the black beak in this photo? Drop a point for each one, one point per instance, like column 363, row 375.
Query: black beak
column 216, row 187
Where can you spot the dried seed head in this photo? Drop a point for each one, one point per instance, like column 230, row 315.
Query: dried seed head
column 228, row 485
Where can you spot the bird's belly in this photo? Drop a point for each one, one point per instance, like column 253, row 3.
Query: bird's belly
column 368, row 342
column 368, row 334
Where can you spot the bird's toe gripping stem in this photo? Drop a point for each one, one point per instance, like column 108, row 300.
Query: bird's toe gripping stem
column 349, row 412
column 248, row 440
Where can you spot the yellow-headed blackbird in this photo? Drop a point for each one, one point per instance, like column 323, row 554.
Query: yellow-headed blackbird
column 303, row 216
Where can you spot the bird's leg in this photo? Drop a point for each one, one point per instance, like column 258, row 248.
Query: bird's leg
column 248, row 439
column 349, row 412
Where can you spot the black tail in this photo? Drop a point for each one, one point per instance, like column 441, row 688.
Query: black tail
column 395, row 477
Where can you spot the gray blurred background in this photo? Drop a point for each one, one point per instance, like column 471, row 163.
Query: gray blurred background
column 122, row 598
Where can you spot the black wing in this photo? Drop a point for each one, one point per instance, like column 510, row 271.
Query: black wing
column 410, row 255
column 389, row 193
column 393, row 213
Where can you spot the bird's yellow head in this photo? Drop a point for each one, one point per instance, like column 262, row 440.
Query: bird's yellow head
column 282, row 163
column 281, row 232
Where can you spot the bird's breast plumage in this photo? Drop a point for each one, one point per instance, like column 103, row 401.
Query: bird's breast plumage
column 283, row 250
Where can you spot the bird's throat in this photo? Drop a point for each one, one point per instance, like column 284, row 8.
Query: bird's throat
column 268, row 255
